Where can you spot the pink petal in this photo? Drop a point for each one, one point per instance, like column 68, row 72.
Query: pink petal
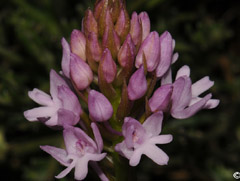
column 167, row 77
column 136, row 157
column 201, row 86
column 81, row 168
column 109, row 67
column 66, row 118
column 149, row 49
column 166, row 52
column 70, row 140
column 97, row 136
column 161, row 98
column 59, row 154
column 153, row 124
column 181, row 95
column 191, row 110
column 55, row 81
column 78, row 44
column 123, row 150
column 40, row 97
column 183, row 71
column 40, row 112
column 161, row 139
column 66, row 171
column 137, row 86
column 145, row 22
column 212, row 103
column 100, row 108
column 155, row 154
column 69, row 100
column 66, row 58
column 81, row 73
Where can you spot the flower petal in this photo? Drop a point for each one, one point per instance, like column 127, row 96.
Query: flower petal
column 153, row 124
column 40, row 97
column 39, row 112
column 212, row 103
column 70, row 140
column 66, row 171
column 191, row 110
column 136, row 157
column 167, row 77
column 183, row 71
column 201, row 86
column 100, row 108
column 181, row 95
column 166, row 51
column 69, row 100
column 123, row 150
column 59, row 154
column 97, row 136
column 66, row 118
column 137, row 86
column 161, row 98
column 81, row 168
column 161, row 139
column 155, row 154
column 66, row 58
column 55, row 81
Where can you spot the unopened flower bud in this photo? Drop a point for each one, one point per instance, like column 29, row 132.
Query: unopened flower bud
column 78, row 44
column 90, row 23
column 126, row 53
column 66, row 58
column 135, row 29
column 108, row 66
column 100, row 109
column 94, row 46
column 166, row 51
column 81, row 73
column 122, row 25
column 137, row 86
column 149, row 49
column 145, row 22
column 110, row 38
column 161, row 98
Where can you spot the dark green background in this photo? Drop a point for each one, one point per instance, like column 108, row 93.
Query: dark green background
column 205, row 147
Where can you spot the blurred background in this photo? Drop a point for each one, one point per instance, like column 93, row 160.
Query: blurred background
column 207, row 34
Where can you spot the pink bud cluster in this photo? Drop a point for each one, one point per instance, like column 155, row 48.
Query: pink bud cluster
column 110, row 70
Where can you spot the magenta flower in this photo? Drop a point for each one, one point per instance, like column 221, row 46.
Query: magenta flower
column 80, row 149
column 142, row 139
column 59, row 109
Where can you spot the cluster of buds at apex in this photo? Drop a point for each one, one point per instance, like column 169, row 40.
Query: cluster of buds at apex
column 109, row 84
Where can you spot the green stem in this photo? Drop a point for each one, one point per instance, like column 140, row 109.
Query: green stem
column 123, row 172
